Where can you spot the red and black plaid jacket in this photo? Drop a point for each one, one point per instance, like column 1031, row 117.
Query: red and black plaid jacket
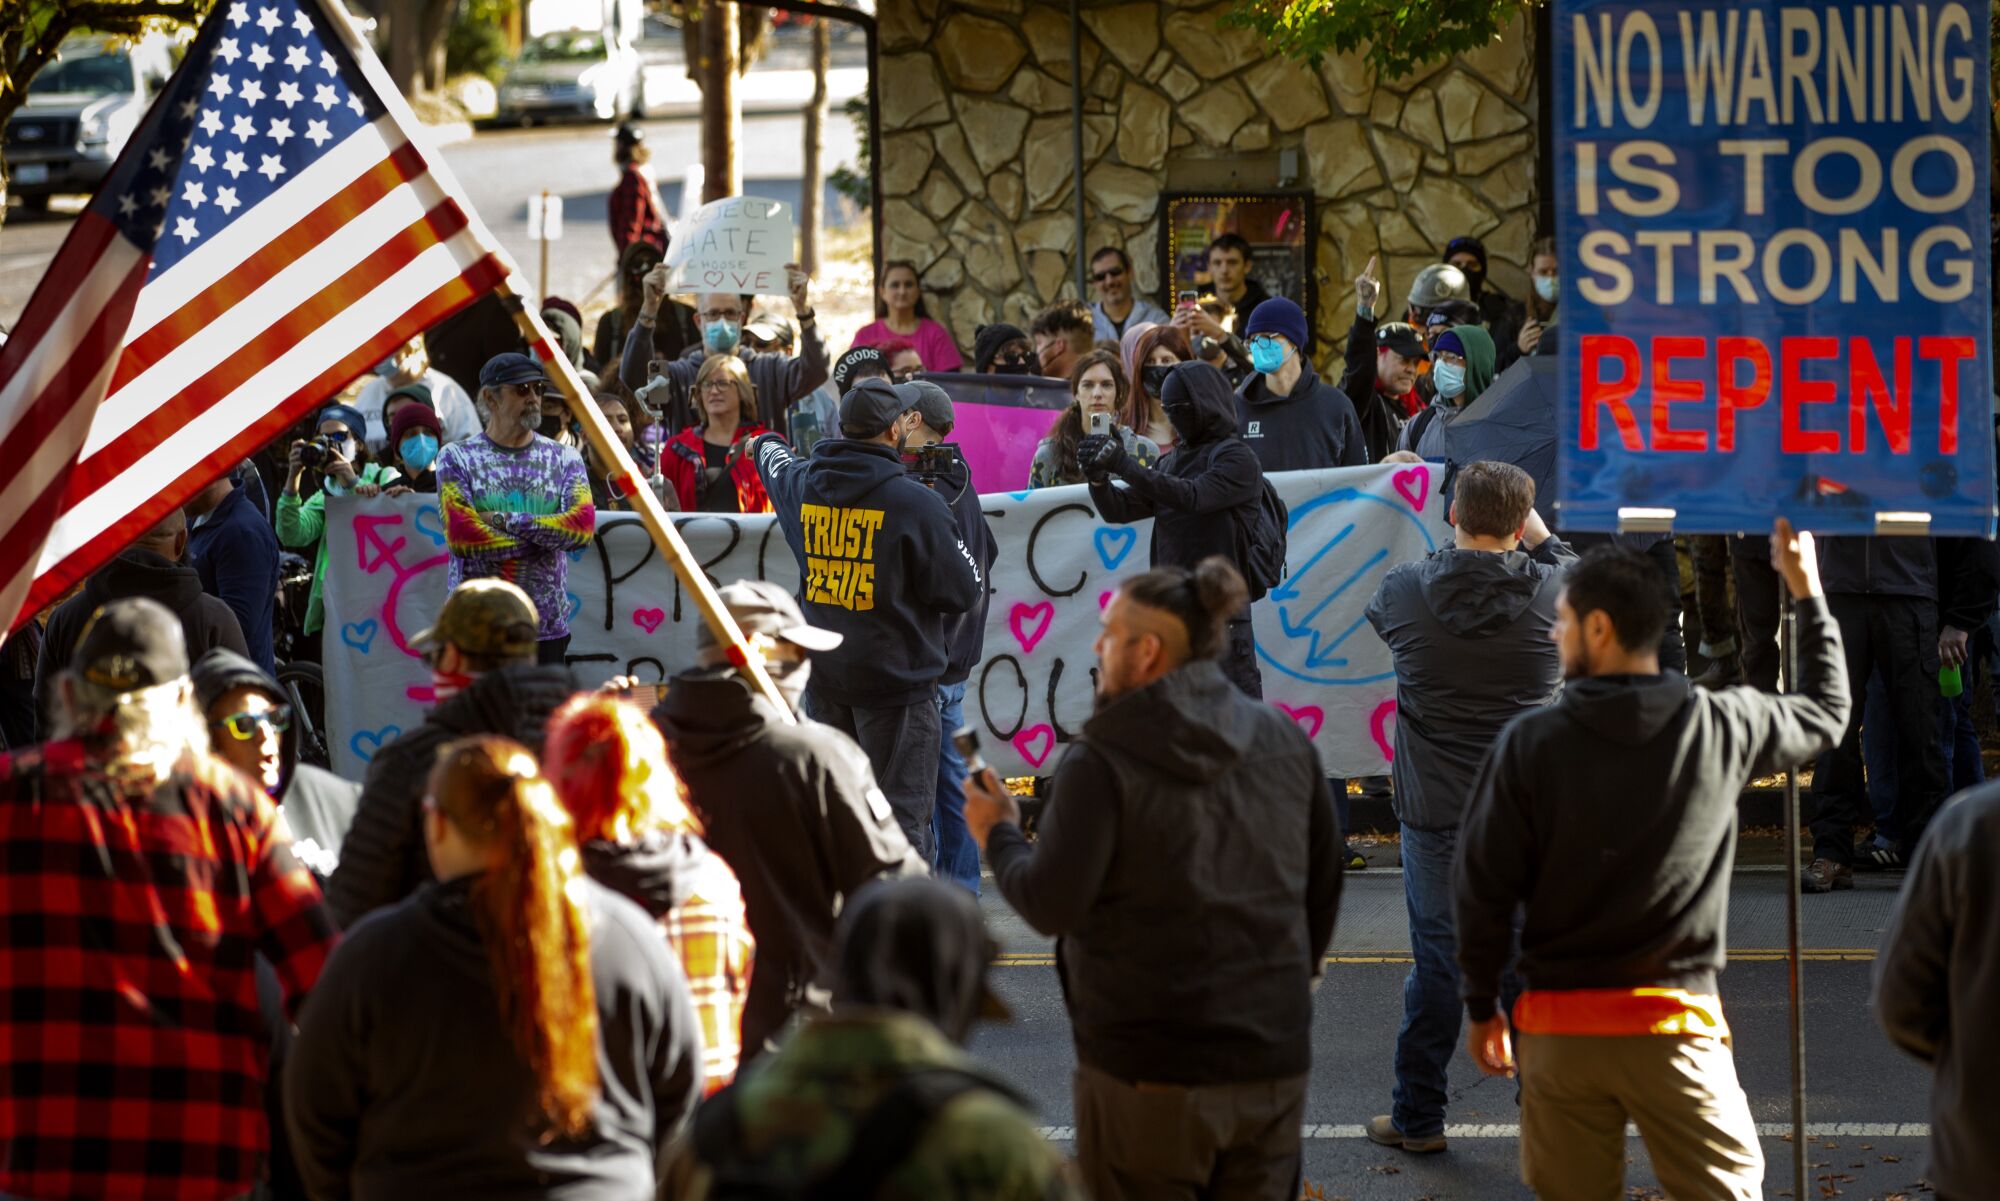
column 635, row 214
column 134, row 1053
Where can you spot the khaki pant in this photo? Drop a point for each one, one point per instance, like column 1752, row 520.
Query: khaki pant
column 1681, row 1091
column 1159, row 1142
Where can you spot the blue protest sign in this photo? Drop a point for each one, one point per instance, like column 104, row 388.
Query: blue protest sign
column 1775, row 296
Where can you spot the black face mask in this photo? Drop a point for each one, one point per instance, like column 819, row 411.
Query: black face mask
column 552, row 425
column 1155, row 375
column 1181, row 417
column 1011, row 365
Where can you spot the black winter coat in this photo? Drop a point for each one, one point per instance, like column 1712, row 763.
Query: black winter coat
column 383, row 859
column 405, row 1082
column 795, row 812
column 1190, row 825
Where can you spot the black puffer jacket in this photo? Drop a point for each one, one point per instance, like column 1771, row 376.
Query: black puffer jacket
column 795, row 812
column 1194, row 496
column 383, row 859
column 1469, row 633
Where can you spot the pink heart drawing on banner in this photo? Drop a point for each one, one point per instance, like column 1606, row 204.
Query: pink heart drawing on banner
column 1378, row 729
column 1035, row 743
column 1019, row 619
column 1413, row 485
column 1309, row 717
column 1103, row 599
column 648, row 619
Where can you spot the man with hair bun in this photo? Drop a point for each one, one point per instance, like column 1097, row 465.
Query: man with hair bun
column 1187, row 819
column 1468, row 628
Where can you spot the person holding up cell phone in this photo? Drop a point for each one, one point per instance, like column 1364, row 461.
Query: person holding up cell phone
column 1100, row 387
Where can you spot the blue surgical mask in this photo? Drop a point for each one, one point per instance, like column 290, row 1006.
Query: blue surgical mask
column 1450, row 379
column 720, row 337
column 1267, row 355
column 1548, row 287
column 419, row 451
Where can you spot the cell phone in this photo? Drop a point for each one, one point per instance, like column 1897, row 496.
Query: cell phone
column 1100, row 424
column 966, row 739
column 1189, row 299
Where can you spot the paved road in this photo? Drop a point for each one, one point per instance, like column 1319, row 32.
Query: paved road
column 499, row 170
column 1867, row 1103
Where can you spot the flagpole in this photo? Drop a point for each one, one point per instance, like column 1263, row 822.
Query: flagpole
column 624, row 473
column 625, row 478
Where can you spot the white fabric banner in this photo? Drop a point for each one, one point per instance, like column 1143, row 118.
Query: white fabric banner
column 1032, row 692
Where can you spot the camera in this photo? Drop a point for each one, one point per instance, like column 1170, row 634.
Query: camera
column 318, row 453
column 934, row 462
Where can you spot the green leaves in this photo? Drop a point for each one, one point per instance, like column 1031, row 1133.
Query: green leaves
column 1398, row 37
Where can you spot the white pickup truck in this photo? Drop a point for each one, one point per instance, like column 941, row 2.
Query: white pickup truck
column 79, row 112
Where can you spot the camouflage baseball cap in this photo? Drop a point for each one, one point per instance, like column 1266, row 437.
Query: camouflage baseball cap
column 490, row 618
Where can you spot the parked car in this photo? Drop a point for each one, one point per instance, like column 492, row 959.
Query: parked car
column 574, row 73
column 79, row 112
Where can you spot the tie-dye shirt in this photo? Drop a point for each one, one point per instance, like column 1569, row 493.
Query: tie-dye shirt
column 515, row 514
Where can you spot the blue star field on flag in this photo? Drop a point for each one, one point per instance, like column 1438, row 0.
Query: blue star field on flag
column 265, row 91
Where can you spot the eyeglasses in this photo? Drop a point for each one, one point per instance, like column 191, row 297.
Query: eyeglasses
column 718, row 384
column 1106, row 276
column 243, row 726
column 1254, row 339
column 342, row 436
column 905, row 375
column 708, row 315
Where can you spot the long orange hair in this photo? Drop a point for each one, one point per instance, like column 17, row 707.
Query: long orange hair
column 608, row 763
column 527, row 904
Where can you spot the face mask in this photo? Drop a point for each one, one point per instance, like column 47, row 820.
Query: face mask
column 419, row 451
column 1011, row 365
column 791, row 679
column 1181, row 417
column 1155, row 375
column 552, row 425
column 1548, row 287
column 720, row 337
column 1266, row 356
column 448, row 684
column 1450, row 378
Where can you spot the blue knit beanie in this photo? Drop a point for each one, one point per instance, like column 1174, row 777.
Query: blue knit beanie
column 1279, row 316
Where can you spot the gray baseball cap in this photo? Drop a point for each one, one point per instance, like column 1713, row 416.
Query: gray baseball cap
column 761, row 607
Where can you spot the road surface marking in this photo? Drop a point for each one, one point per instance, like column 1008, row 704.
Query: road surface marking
column 1310, row 1131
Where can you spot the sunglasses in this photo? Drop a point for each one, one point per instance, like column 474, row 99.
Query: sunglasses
column 1106, row 276
column 243, row 726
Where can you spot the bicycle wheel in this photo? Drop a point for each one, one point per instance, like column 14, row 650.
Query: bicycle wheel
column 305, row 690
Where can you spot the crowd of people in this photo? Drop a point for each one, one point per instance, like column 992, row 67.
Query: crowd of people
column 602, row 942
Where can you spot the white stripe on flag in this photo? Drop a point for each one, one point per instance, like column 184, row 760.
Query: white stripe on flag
column 230, row 416
column 254, row 230
column 13, row 592
column 52, row 352
column 257, row 312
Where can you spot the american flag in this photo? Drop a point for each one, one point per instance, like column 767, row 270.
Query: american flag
column 271, row 231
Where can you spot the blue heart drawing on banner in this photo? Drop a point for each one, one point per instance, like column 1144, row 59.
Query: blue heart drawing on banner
column 1124, row 536
column 575, row 605
column 1018, row 497
column 576, row 556
column 367, row 742
column 435, row 530
column 360, row 634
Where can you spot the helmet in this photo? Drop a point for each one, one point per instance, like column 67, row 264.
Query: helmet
column 1438, row 283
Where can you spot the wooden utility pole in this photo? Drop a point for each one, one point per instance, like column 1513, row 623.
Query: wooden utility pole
column 722, row 176
column 813, row 185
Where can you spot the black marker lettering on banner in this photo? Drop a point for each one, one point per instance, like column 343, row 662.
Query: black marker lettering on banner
column 1035, row 537
column 606, row 523
column 596, row 657
column 735, row 536
column 986, row 708
column 659, row 668
column 763, row 545
column 1055, row 723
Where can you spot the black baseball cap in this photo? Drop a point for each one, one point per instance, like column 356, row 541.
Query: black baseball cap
column 130, row 644
column 511, row 368
column 1402, row 338
column 873, row 405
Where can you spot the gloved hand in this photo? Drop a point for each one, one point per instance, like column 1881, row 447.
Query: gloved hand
column 1100, row 455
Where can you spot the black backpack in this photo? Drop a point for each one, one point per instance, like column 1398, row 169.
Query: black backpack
column 883, row 1139
column 1260, row 540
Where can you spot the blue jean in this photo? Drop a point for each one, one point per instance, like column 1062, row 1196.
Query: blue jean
column 1432, row 1011
column 957, row 857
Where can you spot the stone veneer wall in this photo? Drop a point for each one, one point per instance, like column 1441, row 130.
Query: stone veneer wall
column 977, row 169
